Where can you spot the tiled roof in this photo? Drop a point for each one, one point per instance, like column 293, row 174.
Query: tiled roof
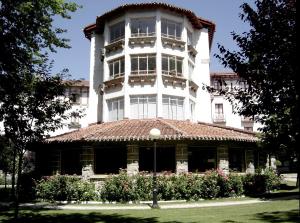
column 197, row 22
column 138, row 130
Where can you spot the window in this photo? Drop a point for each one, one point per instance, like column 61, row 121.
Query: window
column 143, row 27
column 75, row 98
column 201, row 159
column 218, row 85
column 117, row 31
column 192, row 110
column 171, row 29
column 173, row 107
column 115, row 109
column 116, row 68
column 236, row 159
column 172, row 65
column 191, row 70
column 143, row 106
column 143, row 64
column 165, row 159
column 219, row 115
column 189, row 38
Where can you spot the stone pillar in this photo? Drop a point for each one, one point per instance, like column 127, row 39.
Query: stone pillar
column 87, row 161
column 271, row 162
column 249, row 161
column 132, row 159
column 223, row 159
column 181, row 158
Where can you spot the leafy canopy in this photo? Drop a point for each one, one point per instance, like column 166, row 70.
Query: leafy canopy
column 266, row 60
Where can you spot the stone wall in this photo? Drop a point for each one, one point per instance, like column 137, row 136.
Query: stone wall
column 223, row 159
column 132, row 159
column 181, row 158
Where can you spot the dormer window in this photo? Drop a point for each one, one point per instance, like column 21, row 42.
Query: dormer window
column 142, row 27
column 116, row 68
column 171, row 29
column 117, row 31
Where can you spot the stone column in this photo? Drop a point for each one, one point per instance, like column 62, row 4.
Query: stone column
column 181, row 158
column 87, row 160
column 249, row 161
column 223, row 159
column 132, row 159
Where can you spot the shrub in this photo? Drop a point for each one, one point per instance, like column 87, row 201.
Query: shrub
column 237, row 188
column 118, row 188
column 65, row 188
column 210, row 188
column 261, row 182
column 143, row 186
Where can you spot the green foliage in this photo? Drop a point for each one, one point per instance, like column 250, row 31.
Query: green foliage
column 65, row 188
column 261, row 182
column 267, row 61
column 143, row 186
column 118, row 188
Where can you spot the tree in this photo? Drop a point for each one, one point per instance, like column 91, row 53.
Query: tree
column 31, row 102
column 266, row 60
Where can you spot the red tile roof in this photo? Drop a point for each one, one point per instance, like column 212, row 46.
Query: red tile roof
column 197, row 22
column 223, row 75
column 138, row 130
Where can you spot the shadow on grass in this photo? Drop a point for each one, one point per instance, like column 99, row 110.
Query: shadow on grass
column 279, row 216
column 35, row 217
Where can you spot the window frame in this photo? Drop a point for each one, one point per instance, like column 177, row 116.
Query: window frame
column 170, row 59
column 141, row 20
column 143, row 100
column 170, row 104
column 112, row 62
column 169, row 23
column 119, row 25
column 120, row 111
column 139, row 57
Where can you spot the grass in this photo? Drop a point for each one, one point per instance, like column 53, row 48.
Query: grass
column 285, row 210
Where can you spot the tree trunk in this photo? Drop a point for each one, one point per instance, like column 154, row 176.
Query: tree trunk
column 20, row 163
column 5, row 179
column 13, row 176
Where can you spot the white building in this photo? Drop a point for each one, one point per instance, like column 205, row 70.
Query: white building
column 148, row 65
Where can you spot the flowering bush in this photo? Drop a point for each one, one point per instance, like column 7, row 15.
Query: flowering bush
column 65, row 188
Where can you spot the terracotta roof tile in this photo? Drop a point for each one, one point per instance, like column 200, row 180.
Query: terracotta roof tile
column 197, row 22
column 138, row 130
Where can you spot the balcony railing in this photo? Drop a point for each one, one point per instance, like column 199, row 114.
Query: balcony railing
column 219, row 118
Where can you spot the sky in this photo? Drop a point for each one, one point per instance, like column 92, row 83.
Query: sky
column 224, row 13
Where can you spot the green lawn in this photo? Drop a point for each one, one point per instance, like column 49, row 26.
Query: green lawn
column 275, row 211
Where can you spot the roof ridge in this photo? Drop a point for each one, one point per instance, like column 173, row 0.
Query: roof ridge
column 164, row 121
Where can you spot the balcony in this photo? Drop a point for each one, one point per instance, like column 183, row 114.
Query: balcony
column 219, row 118
column 118, row 81
column 142, row 39
column 172, row 42
column 175, row 80
column 116, row 45
column 138, row 77
column 247, row 119
column 74, row 125
column 193, row 86
column 192, row 51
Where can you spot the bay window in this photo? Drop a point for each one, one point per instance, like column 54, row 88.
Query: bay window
column 116, row 68
column 117, row 31
column 173, row 107
column 143, row 64
column 143, row 106
column 142, row 27
column 171, row 29
column 115, row 109
column 172, row 65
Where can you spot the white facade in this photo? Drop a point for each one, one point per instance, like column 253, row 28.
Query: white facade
column 174, row 93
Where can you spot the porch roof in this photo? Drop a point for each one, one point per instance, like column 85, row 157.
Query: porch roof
column 138, row 130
